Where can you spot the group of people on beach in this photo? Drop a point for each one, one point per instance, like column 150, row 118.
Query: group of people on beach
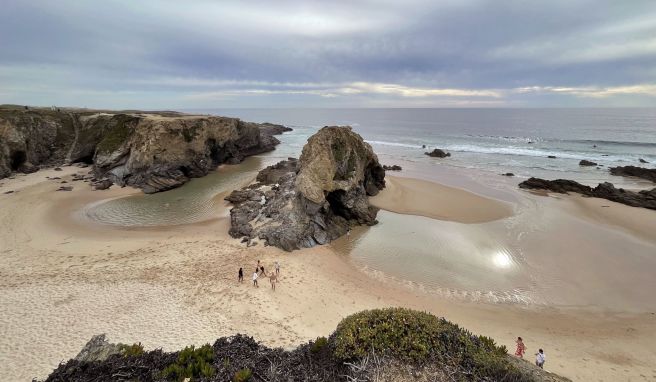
column 540, row 357
column 259, row 272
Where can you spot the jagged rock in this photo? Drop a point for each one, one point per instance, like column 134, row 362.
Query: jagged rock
column 642, row 160
column 65, row 188
column 313, row 200
column 393, row 167
column 58, row 169
column 633, row 171
column 644, row 199
column 102, row 184
column 438, row 153
column 561, row 186
column 98, row 349
column 587, row 163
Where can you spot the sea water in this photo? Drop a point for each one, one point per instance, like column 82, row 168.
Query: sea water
column 491, row 140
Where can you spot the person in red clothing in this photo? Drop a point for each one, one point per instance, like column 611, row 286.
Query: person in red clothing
column 521, row 348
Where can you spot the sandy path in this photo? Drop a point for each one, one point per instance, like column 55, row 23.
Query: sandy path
column 423, row 198
column 62, row 281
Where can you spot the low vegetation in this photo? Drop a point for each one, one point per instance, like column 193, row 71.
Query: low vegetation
column 383, row 344
column 117, row 134
column 192, row 363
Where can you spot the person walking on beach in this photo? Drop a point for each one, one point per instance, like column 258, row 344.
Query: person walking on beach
column 273, row 279
column 520, row 348
column 540, row 358
column 241, row 275
column 255, row 279
column 277, row 265
column 262, row 270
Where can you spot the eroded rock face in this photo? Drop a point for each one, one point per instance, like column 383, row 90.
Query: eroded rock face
column 157, row 154
column 151, row 151
column 634, row 171
column 312, row 200
column 644, row 199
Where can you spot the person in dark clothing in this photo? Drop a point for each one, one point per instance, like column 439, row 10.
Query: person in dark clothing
column 241, row 275
column 262, row 270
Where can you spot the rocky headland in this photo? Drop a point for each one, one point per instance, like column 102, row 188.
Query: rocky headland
column 153, row 151
column 644, row 199
column 313, row 200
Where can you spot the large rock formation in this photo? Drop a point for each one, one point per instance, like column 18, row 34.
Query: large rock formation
column 151, row 151
column 633, row 171
column 645, row 198
column 313, row 200
column 159, row 153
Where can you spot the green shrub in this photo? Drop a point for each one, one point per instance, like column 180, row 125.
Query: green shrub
column 191, row 363
column 418, row 337
column 117, row 134
column 243, row 375
column 131, row 350
column 319, row 344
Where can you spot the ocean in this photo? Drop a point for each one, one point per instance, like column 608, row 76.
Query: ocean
column 491, row 140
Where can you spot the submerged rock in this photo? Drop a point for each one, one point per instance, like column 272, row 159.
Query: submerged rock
column 642, row 160
column 438, row 153
column 508, row 174
column 315, row 199
column 585, row 162
column 551, row 156
column 393, row 167
column 633, row 171
column 644, row 199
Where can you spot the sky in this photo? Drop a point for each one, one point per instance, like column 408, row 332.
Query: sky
column 340, row 53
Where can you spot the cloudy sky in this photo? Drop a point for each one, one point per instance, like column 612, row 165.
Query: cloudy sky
column 339, row 53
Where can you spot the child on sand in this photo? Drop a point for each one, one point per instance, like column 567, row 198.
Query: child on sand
column 255, row 279
column 540, row 358
column 273, row 279
column 520, row 348
column 277, row 265
column 241, row 275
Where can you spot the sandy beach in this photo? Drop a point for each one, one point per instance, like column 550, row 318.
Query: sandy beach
column 64, row 279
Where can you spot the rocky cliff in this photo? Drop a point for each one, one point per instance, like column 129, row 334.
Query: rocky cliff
column 159, row 153
column 151, row 151
column 312, row 200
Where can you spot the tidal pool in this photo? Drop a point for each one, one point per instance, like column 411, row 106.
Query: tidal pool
column 193, row 202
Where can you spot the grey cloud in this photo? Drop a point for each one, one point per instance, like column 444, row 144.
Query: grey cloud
column 297, row 53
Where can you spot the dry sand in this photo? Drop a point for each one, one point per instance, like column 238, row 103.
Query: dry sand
column 63, row 280
column 423, row 198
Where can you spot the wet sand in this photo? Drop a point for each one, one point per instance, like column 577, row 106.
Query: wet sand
column 63, row 280
column 423, row 198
